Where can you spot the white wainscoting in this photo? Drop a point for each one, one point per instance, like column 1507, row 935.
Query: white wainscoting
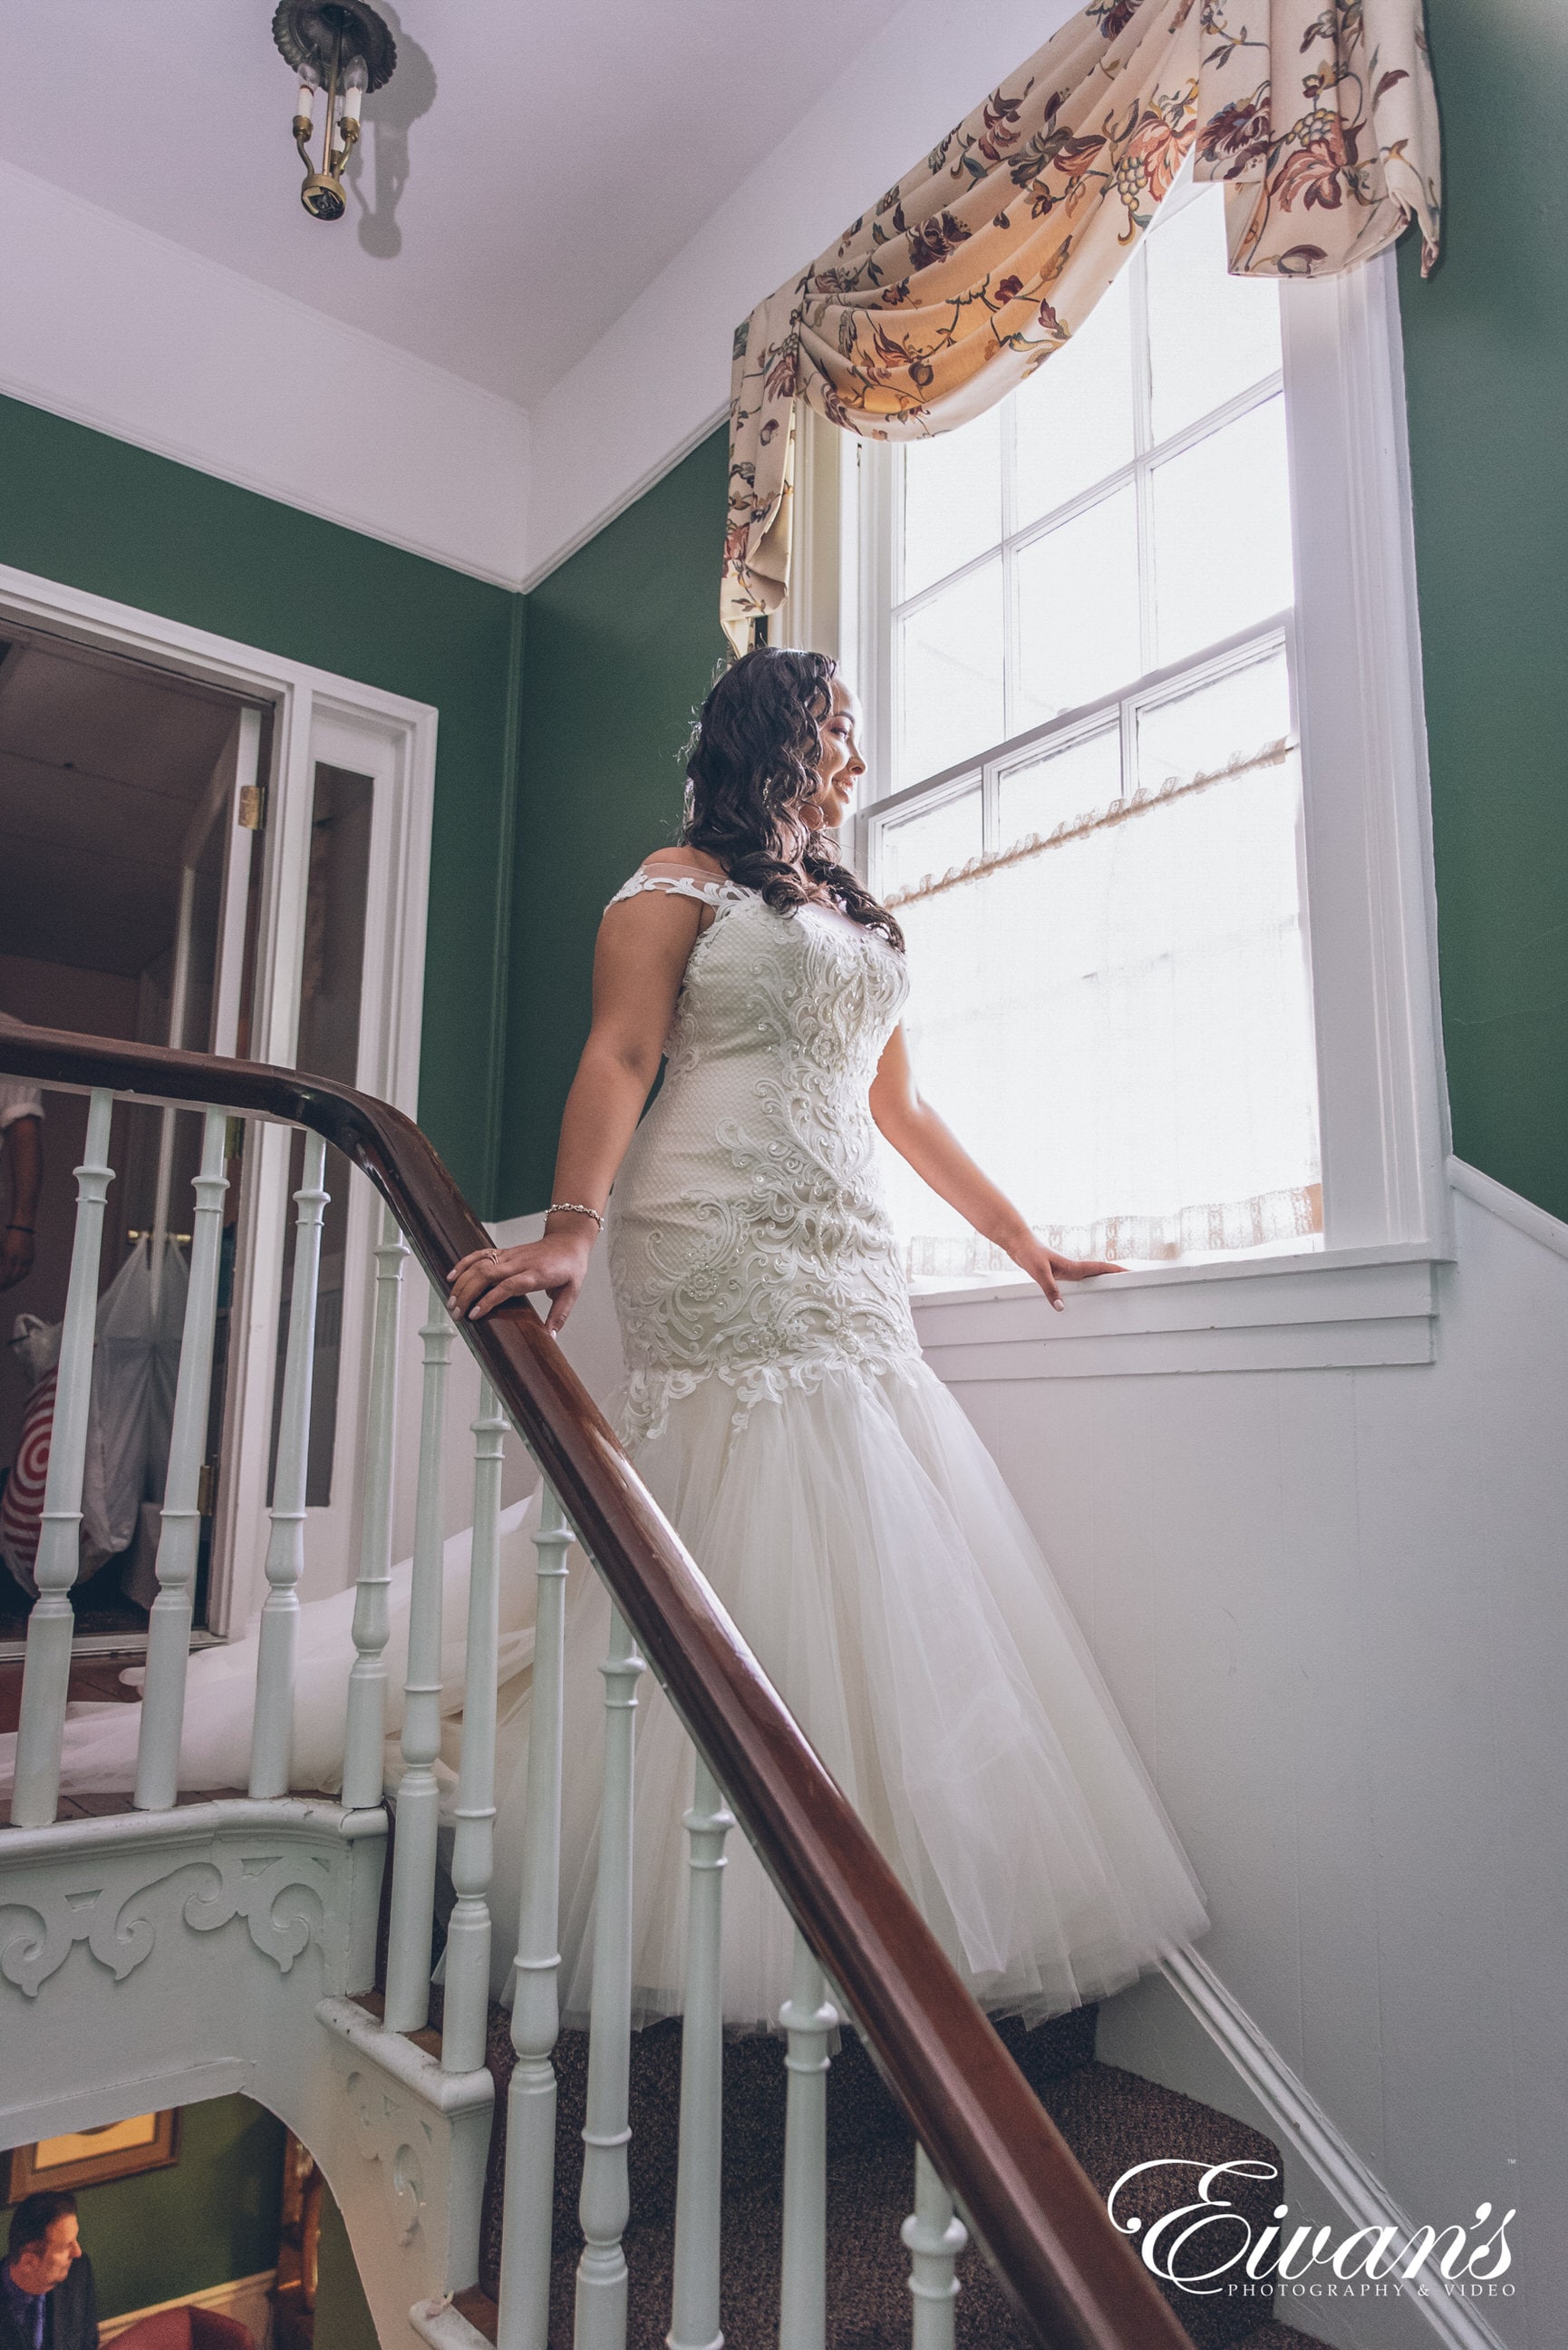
column 247, row 2298
column 1333, row 1606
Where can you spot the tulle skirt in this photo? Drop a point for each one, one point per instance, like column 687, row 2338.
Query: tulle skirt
column 864, row 1542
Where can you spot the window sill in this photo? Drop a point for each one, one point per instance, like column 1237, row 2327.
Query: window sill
column 1341, row 1310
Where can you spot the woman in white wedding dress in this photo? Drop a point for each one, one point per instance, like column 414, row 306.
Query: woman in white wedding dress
column 778, row 1408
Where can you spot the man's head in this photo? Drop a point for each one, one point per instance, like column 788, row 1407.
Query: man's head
column 43, row 2240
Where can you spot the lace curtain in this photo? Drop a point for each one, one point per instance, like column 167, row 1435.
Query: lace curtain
column 1116, row 1019
column 1318, row 115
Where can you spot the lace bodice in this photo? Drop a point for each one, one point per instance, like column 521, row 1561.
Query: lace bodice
column 748, row 1237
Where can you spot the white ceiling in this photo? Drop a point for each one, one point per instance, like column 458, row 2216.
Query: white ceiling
column 527, row 172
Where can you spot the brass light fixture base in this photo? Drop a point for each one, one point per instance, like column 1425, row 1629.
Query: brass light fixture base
column 322, row 196
column 344, row 48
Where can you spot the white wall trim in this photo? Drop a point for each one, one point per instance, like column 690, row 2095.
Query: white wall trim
column 111, row 2101
column 114, row 326
column 1307, row 2129
column 1338, row 1310
column 1344, row 1309
column 1509, row 1206
column 240, row 2297
column 625, row 497
column 1372, row 902
column 313, row 709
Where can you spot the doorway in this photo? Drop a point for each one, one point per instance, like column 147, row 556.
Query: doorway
column 204, row 845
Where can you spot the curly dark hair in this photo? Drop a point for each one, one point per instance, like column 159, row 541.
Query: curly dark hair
column 751, row 761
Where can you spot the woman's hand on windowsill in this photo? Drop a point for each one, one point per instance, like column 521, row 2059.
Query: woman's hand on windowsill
column 1049, row 1269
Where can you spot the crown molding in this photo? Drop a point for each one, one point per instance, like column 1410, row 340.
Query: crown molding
column 120, row 329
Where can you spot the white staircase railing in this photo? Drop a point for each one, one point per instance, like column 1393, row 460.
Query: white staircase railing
column 933, row 2236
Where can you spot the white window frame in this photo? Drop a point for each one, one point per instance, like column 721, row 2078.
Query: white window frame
column 1366, row 830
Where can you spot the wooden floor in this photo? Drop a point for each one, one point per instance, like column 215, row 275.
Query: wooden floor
column 94, row 1680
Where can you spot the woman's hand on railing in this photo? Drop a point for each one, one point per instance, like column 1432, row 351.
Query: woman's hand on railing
column 556, row 1264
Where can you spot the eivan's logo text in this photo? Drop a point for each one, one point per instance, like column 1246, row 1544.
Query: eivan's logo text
column 1207, row 2246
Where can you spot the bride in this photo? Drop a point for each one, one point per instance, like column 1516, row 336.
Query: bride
column 778, row 1408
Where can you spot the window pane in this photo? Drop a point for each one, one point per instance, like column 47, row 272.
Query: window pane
column 949, row 676
column 1119, row 1027
column 1073, row 416
column 1078, row 611
column 928, row 844
column 952, row 500
column 1210, row 335
column 1230, row 717
column 1060, row 786
column 1222, row 534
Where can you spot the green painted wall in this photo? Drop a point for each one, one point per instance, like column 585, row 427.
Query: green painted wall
column 343, row 2319
column 81, row 507
column 1485, row 358
column 623, row 641
column 213, row 2216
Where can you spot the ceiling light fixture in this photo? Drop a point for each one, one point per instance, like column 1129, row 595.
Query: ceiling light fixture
column 343, row 49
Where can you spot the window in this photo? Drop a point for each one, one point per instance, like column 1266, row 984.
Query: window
column 1098, row 632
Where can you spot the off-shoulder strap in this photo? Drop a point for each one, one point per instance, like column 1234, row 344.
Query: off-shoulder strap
column 711, row 889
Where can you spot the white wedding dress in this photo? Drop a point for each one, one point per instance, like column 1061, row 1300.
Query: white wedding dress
column 842, row 1507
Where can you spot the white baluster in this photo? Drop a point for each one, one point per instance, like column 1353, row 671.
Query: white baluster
column 935, row 2236
column 179, row 1538
column 695, row 2303
column 606, row 2202
column 472, row 1854
column 524, row 2321
column 365, row 1726
column 809, row 2016
column 419, row 1797
column 46, row 1676
column 273, row 1734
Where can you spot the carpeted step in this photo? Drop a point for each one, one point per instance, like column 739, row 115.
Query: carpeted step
column 862, row 2115
column 1110, row 2118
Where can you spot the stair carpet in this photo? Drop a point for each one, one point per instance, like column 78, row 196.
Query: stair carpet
column 1110, row 2118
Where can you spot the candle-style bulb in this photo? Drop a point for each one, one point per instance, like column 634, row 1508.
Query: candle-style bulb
column 355, row 75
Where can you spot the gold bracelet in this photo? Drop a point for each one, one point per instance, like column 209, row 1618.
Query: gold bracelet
column 573, row 1208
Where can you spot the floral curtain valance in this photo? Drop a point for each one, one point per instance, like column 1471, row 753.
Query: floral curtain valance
column 1319, row 115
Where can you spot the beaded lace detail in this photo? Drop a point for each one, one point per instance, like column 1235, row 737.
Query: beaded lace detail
column 711, row 889
column 748, row 1237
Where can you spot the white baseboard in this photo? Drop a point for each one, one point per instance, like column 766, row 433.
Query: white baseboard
column 1306, row 2131
column 247, row 2298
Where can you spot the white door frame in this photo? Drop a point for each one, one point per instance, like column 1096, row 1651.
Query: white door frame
column 317, row 715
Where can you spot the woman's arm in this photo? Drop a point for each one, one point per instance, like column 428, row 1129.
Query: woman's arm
column 644, row 943
column 937, row 1155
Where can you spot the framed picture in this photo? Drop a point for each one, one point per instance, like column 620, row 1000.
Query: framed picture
column 92, row 2156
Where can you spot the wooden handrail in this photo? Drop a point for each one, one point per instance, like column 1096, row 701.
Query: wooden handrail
column 1073, row 2280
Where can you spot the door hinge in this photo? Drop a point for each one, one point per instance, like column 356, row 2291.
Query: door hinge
column 253, row 808
column 206, row 1488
